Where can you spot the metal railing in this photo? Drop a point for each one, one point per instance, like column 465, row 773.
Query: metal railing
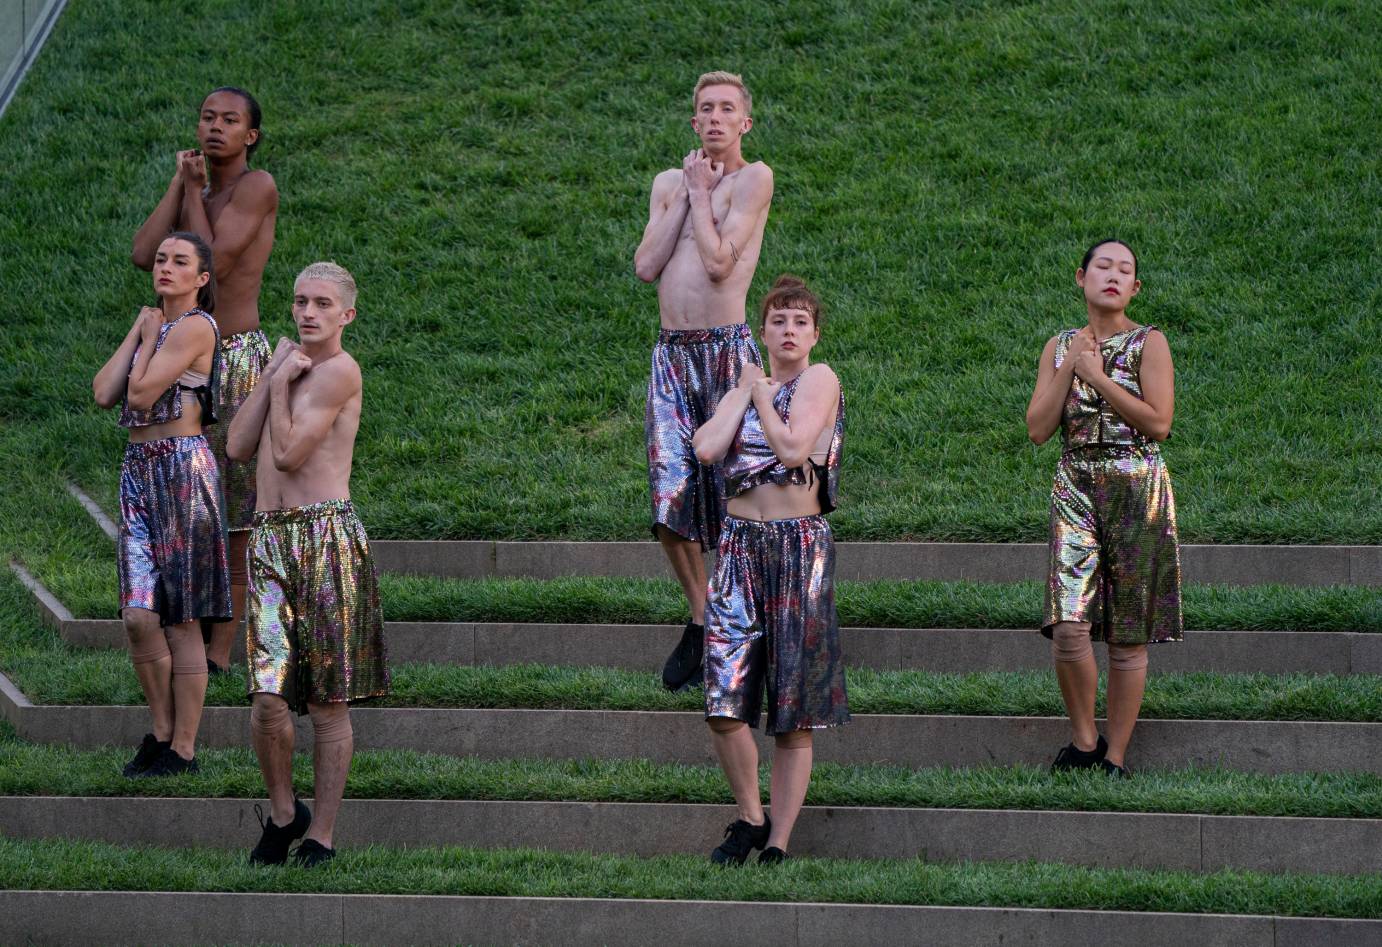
column 24, row 25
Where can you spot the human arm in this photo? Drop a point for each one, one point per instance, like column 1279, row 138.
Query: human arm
column 813, row 407
column 712, row 439
column 109, row 384
column 1152, row 413
column 151, row 377
column 298, row 431
column 255, row 197
column 720, row 248
column 1053, row 384
column 242, row 440
column 666, row 213
column 160, row 223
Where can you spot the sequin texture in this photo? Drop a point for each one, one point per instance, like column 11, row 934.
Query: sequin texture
column 168, row 407
column 244, row 356
column 770, row 620
column 314, row 630
column 751, row 462
column 172, row 540
column 691, row 370
column 1114, row 559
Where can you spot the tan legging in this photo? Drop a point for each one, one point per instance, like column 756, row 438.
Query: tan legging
column 1072, row 644
column 182, row 642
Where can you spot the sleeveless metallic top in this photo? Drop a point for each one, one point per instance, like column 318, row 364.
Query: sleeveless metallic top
column 752, row 463
column 168, row 407
column 1087, row 420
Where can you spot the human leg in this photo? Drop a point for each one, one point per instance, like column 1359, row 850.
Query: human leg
column 153, row 666
column 1127, row 679
column 271, row 734
column 188, row 685
column 1078, row 674
column 223, row 632
column 332, row 750
column 791, row 775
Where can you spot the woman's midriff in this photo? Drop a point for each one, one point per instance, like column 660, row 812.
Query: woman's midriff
column 772, row 502
column 186, row 426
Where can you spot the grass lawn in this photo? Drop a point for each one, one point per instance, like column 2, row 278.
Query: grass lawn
column 484, row 168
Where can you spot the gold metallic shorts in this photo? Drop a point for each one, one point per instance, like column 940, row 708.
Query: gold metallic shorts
column 245, row 354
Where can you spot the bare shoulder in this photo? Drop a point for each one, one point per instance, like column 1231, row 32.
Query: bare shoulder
column 1156, row 343
column 192, row 331
column 820, row 376
column 756, row 177
column 257, row 187
column 338, row 378
column 667, row 181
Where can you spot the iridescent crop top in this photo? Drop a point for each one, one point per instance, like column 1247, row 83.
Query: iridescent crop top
column 751, row 462
column 168, row 407
column 1087, row 420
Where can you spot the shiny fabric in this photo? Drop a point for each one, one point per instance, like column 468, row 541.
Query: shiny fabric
column 313, row 627
column 1087, row 419
column 751, row 462
column 172, row 539
column 691, row 370
column 168, row 407
column 245, row 355
column 770, row 619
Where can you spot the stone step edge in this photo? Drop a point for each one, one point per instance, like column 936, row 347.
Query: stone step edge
column 122, row 917
column 1197, row 842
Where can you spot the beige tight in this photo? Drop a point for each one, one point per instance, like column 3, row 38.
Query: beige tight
column 1071, row 643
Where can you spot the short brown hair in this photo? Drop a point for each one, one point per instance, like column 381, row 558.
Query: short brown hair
column 722, row 78
column 789, row 292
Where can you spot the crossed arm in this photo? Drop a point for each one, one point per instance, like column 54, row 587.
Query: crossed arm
column 254, row 199
column 298, row 431
column 813, row 407
column 720, row 248
column 666, row 213
column 152, row 376
column 1151, row 414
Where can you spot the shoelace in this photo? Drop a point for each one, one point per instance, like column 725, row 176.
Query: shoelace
column 259, row 814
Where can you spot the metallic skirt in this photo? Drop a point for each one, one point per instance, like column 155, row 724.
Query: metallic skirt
column 1114, row 558
column 172, row 541
column 245, row 354
column 314, row 631
column 770, row 619
column 692, row 369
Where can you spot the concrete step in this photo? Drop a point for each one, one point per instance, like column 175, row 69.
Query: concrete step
column 123, row 917
column 1186, row 842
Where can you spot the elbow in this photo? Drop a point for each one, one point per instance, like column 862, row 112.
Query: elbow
column 719, row 272
column 708, row 457
column 138, row 400
column 141, row 259
column 1160, row 431
column 286, row 463
column 103, row 399
column 236, row 451
column 644, row 272
column 1037, row 436
column 792, row 459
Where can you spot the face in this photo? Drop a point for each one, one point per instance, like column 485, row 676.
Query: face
column 1110, row 282
column 318, row 311
column 720, row 119
column 177, row 270
column 224, row 127
column 789, row 334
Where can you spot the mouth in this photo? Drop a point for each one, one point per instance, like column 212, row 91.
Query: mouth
column 163, row 281
column 1111, row 291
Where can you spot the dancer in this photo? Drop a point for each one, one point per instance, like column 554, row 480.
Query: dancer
column 704, row 233
column 770, row 616
column 215, row 194
column 313, row 627
column 1114, row 560
column 172, row 546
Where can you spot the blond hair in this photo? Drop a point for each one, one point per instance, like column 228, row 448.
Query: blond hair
column 722, row 78
column 332, row 272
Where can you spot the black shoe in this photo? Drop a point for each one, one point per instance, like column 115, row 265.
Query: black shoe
column 170, row 764
column 741, row 838
column 1114, row 770
column 772, row 856
column 273, row 844
column 684, row 663
column 149, row 751
column 312, row 853
column 1072, row 757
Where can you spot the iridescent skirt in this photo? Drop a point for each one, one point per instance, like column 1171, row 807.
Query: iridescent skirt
column 172, row 540
column 770, row 620
column 244, row 356
column 314, row 631
column 692, row 369
column 1114, row 557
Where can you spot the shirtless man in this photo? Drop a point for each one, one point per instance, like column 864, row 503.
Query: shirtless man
column 234, row 212
column 313, row 626
column 704, row 233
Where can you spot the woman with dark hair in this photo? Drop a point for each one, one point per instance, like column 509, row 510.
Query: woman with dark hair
column 770, row 616
column 1114, row 570
column 172, row 544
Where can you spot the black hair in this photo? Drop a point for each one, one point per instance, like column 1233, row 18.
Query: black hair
column 256, row 115
column 206, row 295
column 1089, row 254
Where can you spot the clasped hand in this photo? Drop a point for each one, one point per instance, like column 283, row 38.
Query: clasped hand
column 699, row 173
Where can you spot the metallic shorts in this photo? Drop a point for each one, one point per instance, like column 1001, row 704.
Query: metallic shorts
column 172, row 538
column 770, row 619
column 245, row 354
column 313, row 627
column 692, row 369
column 1114, row 558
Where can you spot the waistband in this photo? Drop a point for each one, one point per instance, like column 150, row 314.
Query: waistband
column 241, row 340
column 701, row 336
column 795, row 522
column 302, row 514
column 165, row 446
column 1110, row 451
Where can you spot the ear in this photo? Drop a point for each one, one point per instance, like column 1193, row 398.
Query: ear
column 252, row 137
column 748, row 124
column 348, row 316
column 1079, row 276
column 203, row 278
column 695, row 125
column 1136, row 287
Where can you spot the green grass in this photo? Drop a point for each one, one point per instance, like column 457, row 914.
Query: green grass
column 483, row 169
column 39, row 770
column 63, row 865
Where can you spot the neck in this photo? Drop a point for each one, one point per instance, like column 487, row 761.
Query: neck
column 225, row 172
column 1107, row 322
column 731, row 159
column 175, row 306
column 784, row 371
column 319, row 352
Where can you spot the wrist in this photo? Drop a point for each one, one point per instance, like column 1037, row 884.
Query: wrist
column 698, row 197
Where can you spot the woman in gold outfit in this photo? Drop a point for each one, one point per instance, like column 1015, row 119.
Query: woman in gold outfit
column 1114, row 559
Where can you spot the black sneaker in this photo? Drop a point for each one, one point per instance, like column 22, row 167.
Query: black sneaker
column 741, row 838
column 772, row 856
column 170, row 764
column 1114, row 770
column 312, row 853
column 1072, row 757
column 273, row 844
column 149, row 751
column 684, row 663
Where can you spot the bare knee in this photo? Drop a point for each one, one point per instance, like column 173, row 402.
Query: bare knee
column 330, row 723
column 796, row 740
column 1070, row 642
column 269, row 714
column 1127, row 657
column 188, row 650
column 726, row 725
column 147, row 641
